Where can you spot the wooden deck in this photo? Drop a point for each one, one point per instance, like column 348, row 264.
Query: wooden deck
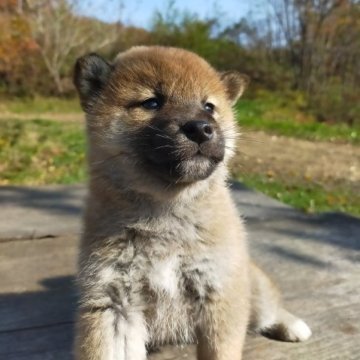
column 315, row 260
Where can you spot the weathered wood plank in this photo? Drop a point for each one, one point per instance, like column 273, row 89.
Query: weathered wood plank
column 315, row 260
column 36, row 282
column 36, row 309
column 45, row 343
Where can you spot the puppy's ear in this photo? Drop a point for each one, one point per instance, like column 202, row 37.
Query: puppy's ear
column 91, row 73
column 235, row 84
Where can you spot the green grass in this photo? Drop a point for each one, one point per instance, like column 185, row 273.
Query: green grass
column 272, row 113
column 39, row 105
column 283, row 117
column 308, row 197
column 41, row 152
column 35, row 152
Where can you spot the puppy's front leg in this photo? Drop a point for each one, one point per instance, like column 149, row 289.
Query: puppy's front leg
column 222, row 334
column 110, row 323
column 107, row 334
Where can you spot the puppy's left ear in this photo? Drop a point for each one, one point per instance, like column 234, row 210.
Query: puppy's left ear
column 91, row 74
column 235, row 84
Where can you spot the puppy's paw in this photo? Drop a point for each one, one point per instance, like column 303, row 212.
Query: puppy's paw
column 295, row 332
column 287, row 328
column 299, row 331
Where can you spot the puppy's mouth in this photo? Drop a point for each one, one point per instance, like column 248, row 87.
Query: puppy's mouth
column 177, row 157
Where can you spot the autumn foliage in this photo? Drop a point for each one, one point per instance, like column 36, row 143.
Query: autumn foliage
column 307, row 47
column 18, row 50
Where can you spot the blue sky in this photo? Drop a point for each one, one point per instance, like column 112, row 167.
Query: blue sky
column 140, row 12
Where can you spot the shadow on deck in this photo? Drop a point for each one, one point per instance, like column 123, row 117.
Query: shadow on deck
column 314, row 259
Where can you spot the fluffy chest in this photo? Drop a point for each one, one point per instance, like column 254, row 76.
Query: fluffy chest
column 172, row 312
column 189, row 276
column 180, row 287
column 164, row 276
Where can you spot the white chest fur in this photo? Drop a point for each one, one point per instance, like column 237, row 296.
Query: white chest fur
column 181, row 286
column 164, row 276
column 170, row 321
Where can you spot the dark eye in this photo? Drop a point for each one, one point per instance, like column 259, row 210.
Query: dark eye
column 151, row 104
column 209, row 107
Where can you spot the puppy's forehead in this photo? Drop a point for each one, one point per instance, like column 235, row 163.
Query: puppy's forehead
column 166, row 70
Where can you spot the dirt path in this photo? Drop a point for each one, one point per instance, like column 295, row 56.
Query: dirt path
column 78, row 116
column 325, row 163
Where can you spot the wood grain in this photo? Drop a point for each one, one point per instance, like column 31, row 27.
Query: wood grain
column 314, row 259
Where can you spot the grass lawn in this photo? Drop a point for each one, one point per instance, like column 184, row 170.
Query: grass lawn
column 38, row 151
column 268, row 112
column 308, row 197
column 275, row 115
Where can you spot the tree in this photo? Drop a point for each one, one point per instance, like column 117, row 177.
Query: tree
column 318, row 43
column 16, row 45
column 60, row 33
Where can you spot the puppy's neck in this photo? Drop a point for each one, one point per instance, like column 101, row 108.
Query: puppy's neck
column 133, row 198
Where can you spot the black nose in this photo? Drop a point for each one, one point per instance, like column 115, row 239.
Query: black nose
column 198, row 131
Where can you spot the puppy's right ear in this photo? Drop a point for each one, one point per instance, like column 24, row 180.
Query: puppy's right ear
column 235, row 84
column 91, row 73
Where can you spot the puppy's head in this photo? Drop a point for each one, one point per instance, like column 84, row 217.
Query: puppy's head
column 157, row 115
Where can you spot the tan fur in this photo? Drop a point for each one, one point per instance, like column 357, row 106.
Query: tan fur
column 163, row 261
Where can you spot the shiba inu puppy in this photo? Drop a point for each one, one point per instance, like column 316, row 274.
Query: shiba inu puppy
column 163, row 255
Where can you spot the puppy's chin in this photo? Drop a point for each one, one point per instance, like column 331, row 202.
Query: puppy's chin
column 184, row 172
column 195, row 169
